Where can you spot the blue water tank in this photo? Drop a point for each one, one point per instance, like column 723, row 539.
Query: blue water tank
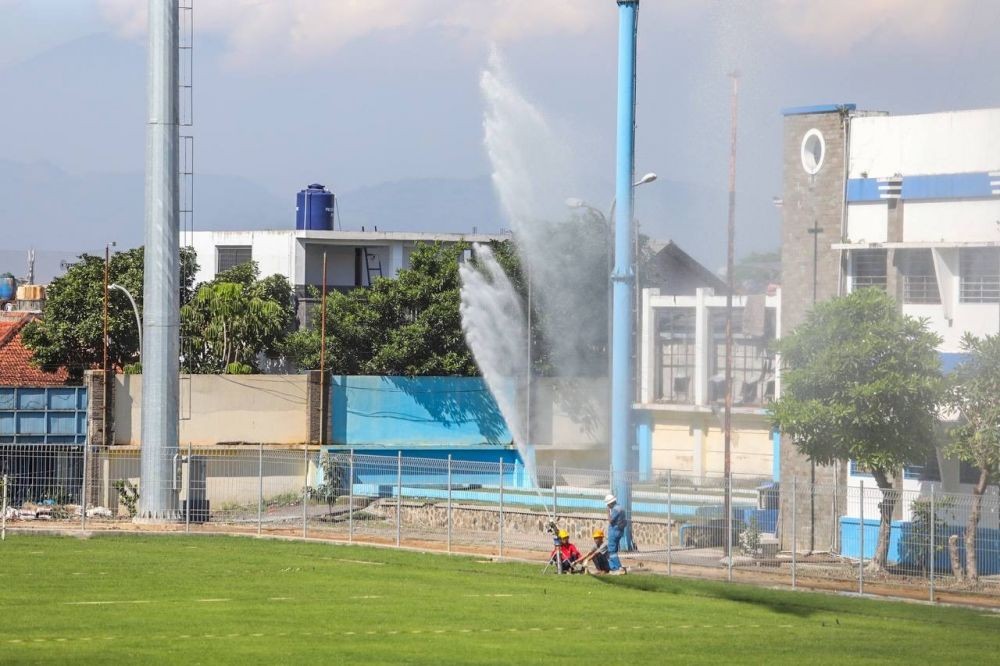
column 8, row 287
column 314, row 209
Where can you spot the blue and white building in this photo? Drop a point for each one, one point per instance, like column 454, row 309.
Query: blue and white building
column 910, row 204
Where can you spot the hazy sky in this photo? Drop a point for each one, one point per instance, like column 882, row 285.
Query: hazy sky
column 359, row 92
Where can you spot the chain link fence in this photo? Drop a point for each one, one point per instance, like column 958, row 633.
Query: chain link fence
column 852, row 538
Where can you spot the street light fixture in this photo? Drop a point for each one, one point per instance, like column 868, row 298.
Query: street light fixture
column 135, row 309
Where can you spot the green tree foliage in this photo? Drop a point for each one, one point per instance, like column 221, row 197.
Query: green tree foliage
column 974, row 392
column 861, row 381
column 234, row 318
column 754, row 272
column 407, row 325
column 70, row 334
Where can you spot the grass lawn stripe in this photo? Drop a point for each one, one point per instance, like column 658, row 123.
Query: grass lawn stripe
column 240, row 600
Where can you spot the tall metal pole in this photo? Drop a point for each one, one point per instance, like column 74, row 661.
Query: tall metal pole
column 623, row 275
column 730, row 288
column 161, row 330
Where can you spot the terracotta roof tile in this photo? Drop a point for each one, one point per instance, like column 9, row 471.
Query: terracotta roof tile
column 16, row 368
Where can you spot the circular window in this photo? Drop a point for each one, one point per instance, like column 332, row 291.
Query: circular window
column 813, row 151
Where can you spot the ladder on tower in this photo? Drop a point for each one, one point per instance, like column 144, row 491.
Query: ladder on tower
column 373, row 265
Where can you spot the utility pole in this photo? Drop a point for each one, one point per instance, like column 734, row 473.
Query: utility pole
column 322, row 362
column 730, row 288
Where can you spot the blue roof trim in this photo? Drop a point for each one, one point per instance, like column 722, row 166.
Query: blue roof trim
column 862, row 189
column 818, row 108
column 935, row 186
column 948, row 186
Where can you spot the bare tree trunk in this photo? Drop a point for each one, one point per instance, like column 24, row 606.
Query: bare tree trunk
column 956, row 561
column 972, row 526
column 886, row 508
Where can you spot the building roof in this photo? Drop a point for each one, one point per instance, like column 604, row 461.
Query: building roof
column 16, row 368
column 816, row 108
column 674, row 271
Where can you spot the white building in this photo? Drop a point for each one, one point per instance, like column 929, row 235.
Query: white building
column 910, row 204
column 354, row 258
column 682, row 381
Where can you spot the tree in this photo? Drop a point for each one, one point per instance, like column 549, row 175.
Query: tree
column 754, row 272
column 70, row 334
column 407, row 325
column 974, row 392
column 861, row 381
column 233, row 319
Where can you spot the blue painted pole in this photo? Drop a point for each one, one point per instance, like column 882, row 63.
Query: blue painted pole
column 623, row 275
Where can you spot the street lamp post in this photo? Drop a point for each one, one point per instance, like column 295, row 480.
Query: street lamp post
column 104, row 339
column 135, row 310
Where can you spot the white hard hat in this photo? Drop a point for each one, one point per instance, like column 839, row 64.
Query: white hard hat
column 610, row 499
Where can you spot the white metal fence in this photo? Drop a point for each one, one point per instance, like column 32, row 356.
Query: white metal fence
column 679, row 522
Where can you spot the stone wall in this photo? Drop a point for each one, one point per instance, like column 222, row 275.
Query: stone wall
column 433, row 516
column 809, row 200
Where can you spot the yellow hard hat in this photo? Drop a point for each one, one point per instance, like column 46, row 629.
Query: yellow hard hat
column 563, row 534
column 598, row 533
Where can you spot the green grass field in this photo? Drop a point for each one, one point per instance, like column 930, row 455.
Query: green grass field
column 118, row 599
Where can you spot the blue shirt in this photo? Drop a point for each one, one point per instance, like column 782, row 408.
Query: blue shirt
column 616, row 517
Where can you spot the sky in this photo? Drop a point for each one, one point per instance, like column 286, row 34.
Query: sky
column 357, row 93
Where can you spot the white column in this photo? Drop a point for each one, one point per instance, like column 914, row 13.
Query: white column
column 701, row 348
column 647, row 348
column 395, row 258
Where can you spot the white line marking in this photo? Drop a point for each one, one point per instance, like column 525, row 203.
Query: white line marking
column 368, row 596
column 340, row 559
column 278, row 598
column 212, row 601
column 105, row 603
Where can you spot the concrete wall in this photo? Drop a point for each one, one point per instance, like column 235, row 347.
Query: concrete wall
column 693, row 442
column 268, row 409
column 274, row 251
column 932, row 143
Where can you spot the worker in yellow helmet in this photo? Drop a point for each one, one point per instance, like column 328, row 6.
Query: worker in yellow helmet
column 598, row 555
column 564, row 554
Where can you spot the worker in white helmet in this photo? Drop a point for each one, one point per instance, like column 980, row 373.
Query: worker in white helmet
column 617, row 522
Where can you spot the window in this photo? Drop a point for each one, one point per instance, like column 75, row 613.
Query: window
column 919, row 280
column 812, row 151
column 676, row 346
column 980, row 271
column 869, row 269
column 230, row 257
column 753, row 361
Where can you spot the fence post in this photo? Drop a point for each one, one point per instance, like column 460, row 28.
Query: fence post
column 187, row 499
column 449, row 502
column 670, row 523
column 399, row 496
column 861, row 540
column 795, row 535
column 835, row 521
column 350, row 498
column 555, row 490
column 500, row 549
column 933, row 551
column 83, row 488
column 305, row 489
column 3, row 516
column 729, row 530
column 260, row 486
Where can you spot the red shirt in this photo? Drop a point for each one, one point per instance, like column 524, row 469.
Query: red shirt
column 567, row 552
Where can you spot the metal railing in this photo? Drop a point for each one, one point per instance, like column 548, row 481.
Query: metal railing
column 799, row 535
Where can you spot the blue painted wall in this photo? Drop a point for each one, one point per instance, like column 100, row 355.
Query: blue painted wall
column 43, row 415
column 414, row 412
